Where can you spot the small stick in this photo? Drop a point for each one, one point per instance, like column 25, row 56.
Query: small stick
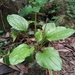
column 50, row 72
column 2, row 21
column 56, row 73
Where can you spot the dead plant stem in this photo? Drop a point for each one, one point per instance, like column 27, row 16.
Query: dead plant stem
column 50, row 72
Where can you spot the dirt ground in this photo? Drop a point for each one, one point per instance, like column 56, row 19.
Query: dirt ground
column 66, row 49
column 67, row 53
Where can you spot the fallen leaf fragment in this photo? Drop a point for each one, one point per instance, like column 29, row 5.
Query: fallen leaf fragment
column 7, row 34
column 3, row 39
column 63, row 50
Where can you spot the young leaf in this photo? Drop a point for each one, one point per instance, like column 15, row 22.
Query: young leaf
column 36, row 9
column 49, row 59
column 19, row 54
column 60, row 33
column 49, row 28
column 14, row 34
column 17, row 22
column 38, row 36
column 26, row 10
column 29, row 9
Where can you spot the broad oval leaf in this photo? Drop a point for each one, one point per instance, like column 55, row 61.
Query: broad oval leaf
column 17, row 22
column 49, row 59
column 60, row 33
column 38, row 36
column 56, row 33
column 19, row 54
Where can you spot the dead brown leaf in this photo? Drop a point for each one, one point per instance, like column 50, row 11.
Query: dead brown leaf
column 3, row 39
column 24, row 69
column 7, row 34
column 63, row 50
column 73, row 44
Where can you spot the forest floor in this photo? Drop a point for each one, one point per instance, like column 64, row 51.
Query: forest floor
column 66, row 49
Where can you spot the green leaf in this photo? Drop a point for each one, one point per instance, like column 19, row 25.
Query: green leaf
column 49, row 28
column 35, row 3
column 6, row 60
column 14, row 34
column 19, row 54
column 56, row 33
column 5, row 51
column 29, row 9
column 51, row 0
column 70, row 0
column 1, row 31
column 49, row 59
column 1, row 43
column 31, row 22
column 17, row 22
column 0, row 51
column 41, row 2
column 38, row 36
column 36, row 9
column 26, row 10
column 30, row 58
column 60, row 33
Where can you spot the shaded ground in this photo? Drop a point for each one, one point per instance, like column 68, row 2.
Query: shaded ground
column 66, row 49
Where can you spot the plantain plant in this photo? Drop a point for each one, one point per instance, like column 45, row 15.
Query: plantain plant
column 48, row 57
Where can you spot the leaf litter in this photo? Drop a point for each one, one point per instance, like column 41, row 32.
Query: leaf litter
column 66, row 48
